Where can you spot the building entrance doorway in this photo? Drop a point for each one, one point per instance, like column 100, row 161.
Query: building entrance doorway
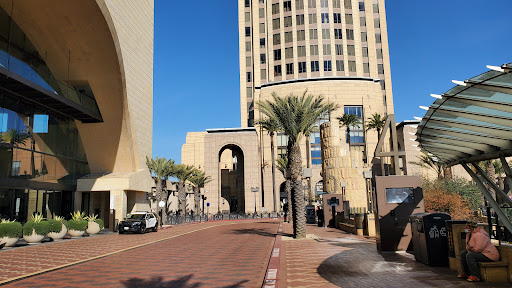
column 231, row 170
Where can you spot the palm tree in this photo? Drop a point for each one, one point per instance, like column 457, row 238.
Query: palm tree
column 272, row 127
column 199, row 179
column 162, row 170
column 15, row 138
column 295, row 116
column 428, row 161
column 282, row 165
column 376, row 122
column 349, row 120
column 184, row 173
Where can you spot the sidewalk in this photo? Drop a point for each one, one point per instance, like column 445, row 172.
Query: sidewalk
column 339, row 259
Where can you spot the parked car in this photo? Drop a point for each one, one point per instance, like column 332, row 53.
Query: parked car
column 139, row 222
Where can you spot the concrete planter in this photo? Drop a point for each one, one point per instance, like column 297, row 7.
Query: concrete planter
column 34, row 238
column 93, row 228
column 76, row 233
column 9, row 242
column 59, row 235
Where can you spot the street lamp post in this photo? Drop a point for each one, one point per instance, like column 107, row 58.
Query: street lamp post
column 255, row 190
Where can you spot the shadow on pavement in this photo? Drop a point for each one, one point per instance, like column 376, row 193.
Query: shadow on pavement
column 158, row 282
column 261, row 232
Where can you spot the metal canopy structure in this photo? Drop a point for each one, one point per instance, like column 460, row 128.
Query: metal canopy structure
column 472, row 122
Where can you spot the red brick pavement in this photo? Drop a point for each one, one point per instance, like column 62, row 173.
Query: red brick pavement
column 218, row 254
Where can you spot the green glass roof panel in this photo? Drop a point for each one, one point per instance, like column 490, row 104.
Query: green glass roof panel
column 505, row 80
column 455, row 90
column 486, row 76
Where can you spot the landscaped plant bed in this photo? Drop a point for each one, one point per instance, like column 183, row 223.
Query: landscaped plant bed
column 57, row 228
column 77, row 224
column 36, row 229
column 94, row 224
column 10, row 232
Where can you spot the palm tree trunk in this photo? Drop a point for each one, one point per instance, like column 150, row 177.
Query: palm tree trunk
column 299, row 219
column 182, row 198
column 158, row 198
column 288, row 189
column 491, row 173
column 273, row 171
column 196, row 201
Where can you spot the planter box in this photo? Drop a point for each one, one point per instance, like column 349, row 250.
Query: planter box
column 76, row 233
column 59, row 235
column 34, row 238
column 9, row 242
column 93, row 228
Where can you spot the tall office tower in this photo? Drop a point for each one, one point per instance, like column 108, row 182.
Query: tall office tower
column 310, row 39
column 334, row 48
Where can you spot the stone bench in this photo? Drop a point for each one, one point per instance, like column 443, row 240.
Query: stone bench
column 495, row 271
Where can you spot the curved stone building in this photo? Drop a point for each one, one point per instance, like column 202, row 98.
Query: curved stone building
column 77, row 93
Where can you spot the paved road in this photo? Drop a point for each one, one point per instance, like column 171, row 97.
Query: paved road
column 234, row 254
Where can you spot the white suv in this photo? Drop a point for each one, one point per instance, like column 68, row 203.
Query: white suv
column 139, row 222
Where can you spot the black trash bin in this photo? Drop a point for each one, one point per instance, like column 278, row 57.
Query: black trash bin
column 429, row 238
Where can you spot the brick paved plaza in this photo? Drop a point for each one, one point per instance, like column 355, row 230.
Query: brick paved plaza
column 219, row 254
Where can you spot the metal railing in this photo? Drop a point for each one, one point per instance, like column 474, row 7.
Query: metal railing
column 176, row 219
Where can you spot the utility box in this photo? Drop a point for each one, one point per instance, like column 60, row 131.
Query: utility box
column 310, row 214
column 397, row 198
column 333, row 204
column 429, row 237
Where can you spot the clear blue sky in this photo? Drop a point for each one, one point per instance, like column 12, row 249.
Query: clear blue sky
column 196, row 74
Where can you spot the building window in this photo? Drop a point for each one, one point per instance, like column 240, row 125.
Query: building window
column 301, row 35
column 324, row 3
column 263, row 74
column 377, row 38
column 339, row 49
column 40, row 123
column 314, row 140
column 301, row 51
column 262, row 12
column 336, row 4
column 282, row 145
column 312, row 18
column 247, row 31
column 249, row 77
column 351, row 50
column 247, row 17
column 287, row 6
column 289, row 68
column 288, row 52
column 349, row 19
column 302, row 67
column 288, row 37
column 364, row 37
column 376, row 23
column 16, row 167
column 383, row 86
column 262, row 27
column 361, row 6
column 325, row 17
column 248, row 61
column 348, row 4
column 277, row 70
column 362, row 20
column 350, row 34
column 262, row 1
column 313, row 50
column 249, row 92
column 299, row 4
column 315, row 66
column 288, row 21
column 327, row 66
column 276, row 23
column 311, row 3
column 326, row 34
column 300, row 19
column 379, row 53
column 339, row 65
column 326, row 49
column 275, row 8
column 352, row 66
column 277, row 39
column 247, row 3
column 356, row 131
column 277, row 54
column 380, row 68
column 338, row 34
column 365, row 51
column 366, row 67
column 262, row 42
column 263, row 59
column 313, row 34
column 248, row 46
column 337, row 17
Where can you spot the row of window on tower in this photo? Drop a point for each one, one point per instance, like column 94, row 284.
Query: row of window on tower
column 299, row 4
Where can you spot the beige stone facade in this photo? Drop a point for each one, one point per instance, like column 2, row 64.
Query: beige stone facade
column 108, row 46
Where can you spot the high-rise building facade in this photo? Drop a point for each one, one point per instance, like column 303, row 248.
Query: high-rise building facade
column 304, row 39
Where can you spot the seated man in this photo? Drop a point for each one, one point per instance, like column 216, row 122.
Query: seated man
column 478, row 249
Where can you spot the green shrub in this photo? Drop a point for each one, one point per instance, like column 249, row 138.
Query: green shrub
column 41, row 228
column 12, row 230
column 77, row 225
column 54, row 226
column 100, row 222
